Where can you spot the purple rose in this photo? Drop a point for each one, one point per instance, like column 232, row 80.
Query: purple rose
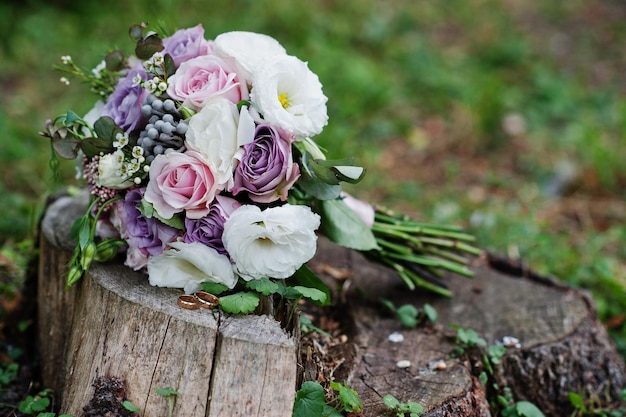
column 208, row 230
column 266, row 170
column 186, row 44
column 124, row 104
column 145, row 236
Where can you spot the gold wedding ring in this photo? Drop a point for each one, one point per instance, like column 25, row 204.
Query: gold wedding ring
column 206, row 300
column 188, row 302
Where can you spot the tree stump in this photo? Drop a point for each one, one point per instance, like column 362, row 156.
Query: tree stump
column 563, row 347
column 114, row 324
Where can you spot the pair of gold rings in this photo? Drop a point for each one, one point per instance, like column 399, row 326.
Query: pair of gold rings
column 199, row 299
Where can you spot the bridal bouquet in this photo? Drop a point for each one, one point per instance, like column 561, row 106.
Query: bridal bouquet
column 202, row 171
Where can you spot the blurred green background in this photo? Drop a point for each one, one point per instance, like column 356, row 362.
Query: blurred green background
column 506, row 117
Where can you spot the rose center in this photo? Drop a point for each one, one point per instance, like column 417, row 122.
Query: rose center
column 284, row 101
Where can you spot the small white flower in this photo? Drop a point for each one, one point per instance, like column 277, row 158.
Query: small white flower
column 137, row 152
column 188, row 265
column 66, row 59
column 272, row 243
column 289, row 95
column 157, row 58
column 65, row 80
column 137, row 80
column 121, row 141
column 97, row 71
column 162, row 86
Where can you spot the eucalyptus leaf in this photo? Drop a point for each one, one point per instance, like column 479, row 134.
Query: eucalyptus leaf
column 106, row 128
column 135, row 32
column 94, row 146
column 114, row 60
column 341, row 225
column 66, row 146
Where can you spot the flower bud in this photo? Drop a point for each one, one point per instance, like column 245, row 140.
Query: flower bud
column 74, row 275
column 107, row 249
column 87, row 255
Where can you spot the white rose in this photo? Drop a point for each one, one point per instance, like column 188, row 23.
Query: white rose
column 288, row 94
column 109, row 173
column 187, row 265
column 213, row 133
column 271, row 243
column 249, row 50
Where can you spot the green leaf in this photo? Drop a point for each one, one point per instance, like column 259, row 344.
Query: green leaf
column 147, row 209
column 239, row 303
column 391, row 401
column 166, row 392
column 528, row 409
column 331, row 412
column 33, row 404
column 348, row 397
column 130, row 406
column 414, row 408
column 495, row 353
column 106, row 128
column 309, row 401
column 264, row 286
column 114, row 60
column 65, row 145
column 148, row 47
column 306, row 278
column 214, row 288
column 577, row 401
column 170, row 66
column 313, row 294
column 483, row 378
column 430, row 312
column 349, row 174
column 341, row 225
column 94, row 146
column 135, row 32
column 408, row 315
column 316, row 188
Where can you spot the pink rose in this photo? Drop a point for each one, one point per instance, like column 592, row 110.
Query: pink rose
column 204, row 77
column 180, row 181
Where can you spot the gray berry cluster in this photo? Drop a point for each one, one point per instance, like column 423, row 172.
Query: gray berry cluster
column 166, row 128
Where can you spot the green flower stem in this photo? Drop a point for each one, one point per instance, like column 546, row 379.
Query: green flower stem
column 451, row 244
column 380, row 217
column 385, row 244
column 411, row 279
column 408, row 228
column 446, row 255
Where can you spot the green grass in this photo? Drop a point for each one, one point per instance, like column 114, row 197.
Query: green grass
column 432, row 79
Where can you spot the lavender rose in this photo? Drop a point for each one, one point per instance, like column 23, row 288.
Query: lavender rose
column 124, row 104
column 266, row 170
column 204, row 77
column 145, row 236
column 208, row 230
column 186, row 44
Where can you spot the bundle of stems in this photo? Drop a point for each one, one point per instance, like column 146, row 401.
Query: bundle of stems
column 419, row 252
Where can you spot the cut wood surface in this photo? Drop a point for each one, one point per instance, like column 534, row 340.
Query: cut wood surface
column 114, row 324
column 563, row 347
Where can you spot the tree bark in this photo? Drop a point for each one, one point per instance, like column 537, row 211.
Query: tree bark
column 114, row 324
